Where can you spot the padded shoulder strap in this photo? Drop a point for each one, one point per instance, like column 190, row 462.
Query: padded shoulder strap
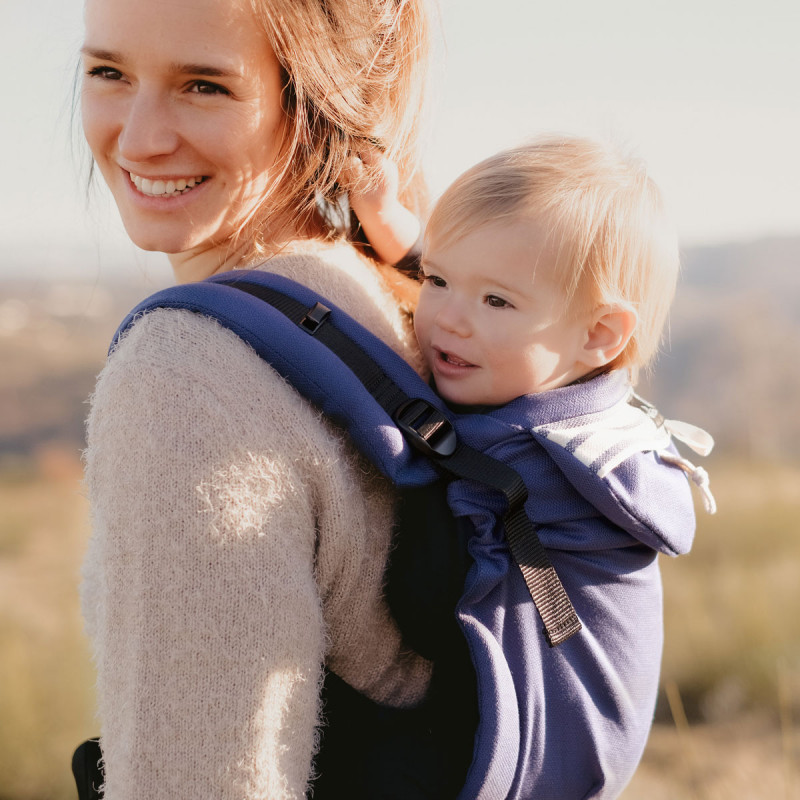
column 307, row 363
column 391, row 415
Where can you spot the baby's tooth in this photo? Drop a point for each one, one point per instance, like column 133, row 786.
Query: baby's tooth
column 170, row 187
column 158, row 187
column 146, row 186
column 181, row 184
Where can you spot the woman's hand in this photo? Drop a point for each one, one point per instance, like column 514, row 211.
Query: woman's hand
column 373, row 183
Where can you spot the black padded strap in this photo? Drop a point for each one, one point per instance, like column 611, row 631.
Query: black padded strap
column 88, row 770
column 430, row 431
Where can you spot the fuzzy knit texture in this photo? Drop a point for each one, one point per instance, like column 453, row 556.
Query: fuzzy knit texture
column 238, row 543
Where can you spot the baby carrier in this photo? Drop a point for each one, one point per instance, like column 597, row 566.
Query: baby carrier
column 520, row 706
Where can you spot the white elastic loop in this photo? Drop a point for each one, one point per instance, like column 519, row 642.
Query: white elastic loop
column 698, row 476
column 702, row 442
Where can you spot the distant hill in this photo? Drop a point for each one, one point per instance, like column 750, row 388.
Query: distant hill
column 730, row 365
column 53, row 340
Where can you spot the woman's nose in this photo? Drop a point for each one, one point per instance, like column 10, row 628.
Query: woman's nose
column 147, row 129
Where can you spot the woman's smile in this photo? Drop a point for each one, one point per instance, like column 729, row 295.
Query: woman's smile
column 165, row 187
column 189, row 140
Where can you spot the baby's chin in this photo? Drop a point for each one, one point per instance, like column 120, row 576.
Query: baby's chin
column 465, row 403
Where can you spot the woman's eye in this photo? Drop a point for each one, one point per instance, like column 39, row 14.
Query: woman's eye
column 106, row 73
column 206, row 87
column 497, row 302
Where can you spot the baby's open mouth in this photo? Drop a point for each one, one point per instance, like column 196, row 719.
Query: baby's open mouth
column 449, row 358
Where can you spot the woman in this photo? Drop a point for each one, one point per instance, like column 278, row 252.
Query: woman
column 238, row 541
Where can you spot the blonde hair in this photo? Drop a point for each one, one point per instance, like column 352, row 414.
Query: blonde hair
column 354, row 78
column 603, row 218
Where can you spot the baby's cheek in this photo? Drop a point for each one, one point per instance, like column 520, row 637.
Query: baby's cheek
column 421, row 319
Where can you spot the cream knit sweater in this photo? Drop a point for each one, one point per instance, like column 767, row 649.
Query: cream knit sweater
column 238, row 543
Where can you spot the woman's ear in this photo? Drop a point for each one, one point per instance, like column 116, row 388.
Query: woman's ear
column 610, row 329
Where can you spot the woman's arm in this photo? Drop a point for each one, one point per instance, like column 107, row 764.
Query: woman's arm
column 221, row 548
column 393, row 230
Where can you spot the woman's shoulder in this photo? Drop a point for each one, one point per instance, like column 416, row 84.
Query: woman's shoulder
column 182, row 396
column 354, row 284
column 176, row 369
column 191, row 359
column 189, row 343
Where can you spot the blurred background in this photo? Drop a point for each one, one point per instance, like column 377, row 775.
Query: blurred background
column 706, row 92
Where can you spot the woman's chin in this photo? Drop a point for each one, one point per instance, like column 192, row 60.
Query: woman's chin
column 191, row 259
column 165, row 241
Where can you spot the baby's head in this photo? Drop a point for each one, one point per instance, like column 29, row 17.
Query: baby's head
column 543, row 265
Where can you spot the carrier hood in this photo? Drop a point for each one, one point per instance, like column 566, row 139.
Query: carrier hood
column 615, row 459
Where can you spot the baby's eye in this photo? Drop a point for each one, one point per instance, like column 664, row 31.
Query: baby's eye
column 106, row 73
column 435, row 280
column 207, row 87
column 497, row 302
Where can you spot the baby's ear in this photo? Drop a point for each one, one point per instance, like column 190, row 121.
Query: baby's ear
column 610, row 329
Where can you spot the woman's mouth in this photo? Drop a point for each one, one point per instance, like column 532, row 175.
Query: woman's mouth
column 165, row 188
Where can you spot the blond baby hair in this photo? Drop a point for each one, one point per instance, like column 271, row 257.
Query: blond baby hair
column 604, row 219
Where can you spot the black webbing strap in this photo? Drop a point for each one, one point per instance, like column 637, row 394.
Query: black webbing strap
column 431, row 432
column 548, row 593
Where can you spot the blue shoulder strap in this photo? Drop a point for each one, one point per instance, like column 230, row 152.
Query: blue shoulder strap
column 302, row 358
column 389, row 412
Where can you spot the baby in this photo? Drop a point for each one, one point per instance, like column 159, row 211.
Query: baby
column 547, row 266
column 544, row 265
column 548, row 273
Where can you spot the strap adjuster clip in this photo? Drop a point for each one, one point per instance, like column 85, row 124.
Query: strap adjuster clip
column 426, row 428
column 314, row 317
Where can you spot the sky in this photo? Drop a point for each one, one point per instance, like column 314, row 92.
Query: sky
column 706, row 91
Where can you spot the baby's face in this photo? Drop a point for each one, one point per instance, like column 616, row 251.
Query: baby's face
column 492, row 321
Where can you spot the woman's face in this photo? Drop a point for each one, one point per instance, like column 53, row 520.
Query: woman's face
column 182, row 110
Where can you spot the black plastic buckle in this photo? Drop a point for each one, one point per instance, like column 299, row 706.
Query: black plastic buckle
column 426, row 428
column 314, row 318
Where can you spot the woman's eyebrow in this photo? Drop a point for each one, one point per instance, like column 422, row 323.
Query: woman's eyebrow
column 202, row 69
column 206, row 70
column 100, row 54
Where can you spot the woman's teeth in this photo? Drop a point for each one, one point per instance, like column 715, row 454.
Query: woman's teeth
column 165, row 188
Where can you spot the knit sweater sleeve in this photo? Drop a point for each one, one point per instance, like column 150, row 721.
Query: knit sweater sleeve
column 235, row 535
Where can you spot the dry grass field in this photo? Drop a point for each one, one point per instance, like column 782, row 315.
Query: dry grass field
column 45, row 673
column 726, row 723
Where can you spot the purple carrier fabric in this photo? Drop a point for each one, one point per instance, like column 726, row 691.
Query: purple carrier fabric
column 562, row 723
column 582, row 711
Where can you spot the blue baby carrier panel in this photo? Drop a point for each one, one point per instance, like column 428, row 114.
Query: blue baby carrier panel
column 581, row 712
column 566, row 721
